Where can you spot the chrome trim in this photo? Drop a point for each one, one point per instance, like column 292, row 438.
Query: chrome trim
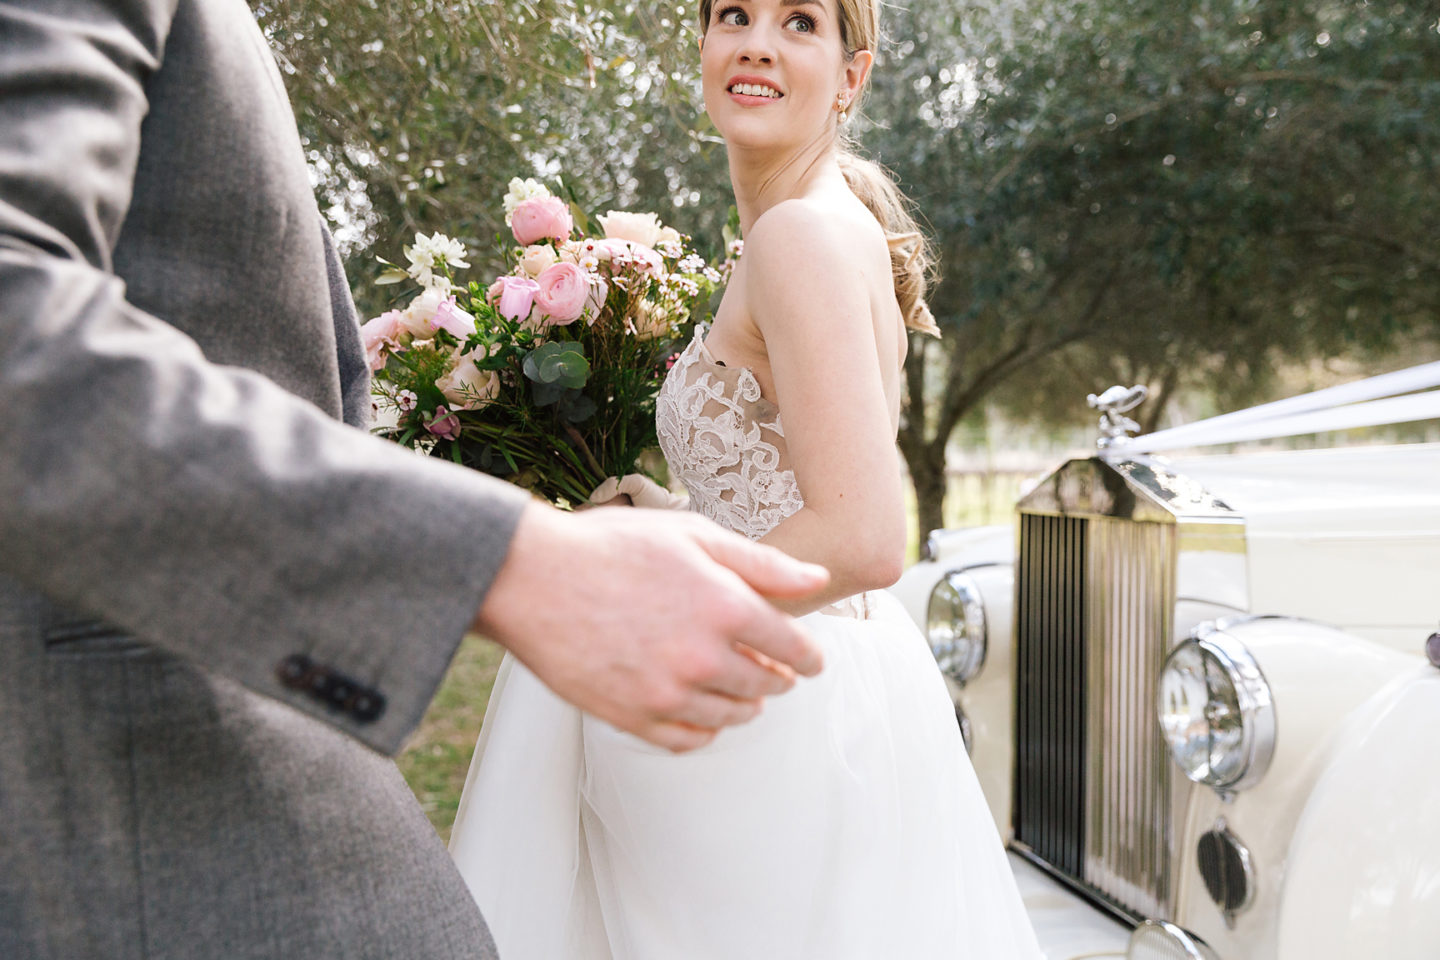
column 964, row 722
column 1113, row 404
column 1102, row 545
column 971, row 601
column 1129, row 852
column 1165, row 938
column 1247, row 870
column 1257, row 706
column 930, row 547
column 1140, row 488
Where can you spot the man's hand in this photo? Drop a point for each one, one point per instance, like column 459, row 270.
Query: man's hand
column 654, row 621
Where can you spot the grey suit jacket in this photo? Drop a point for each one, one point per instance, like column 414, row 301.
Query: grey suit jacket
column 212, row 590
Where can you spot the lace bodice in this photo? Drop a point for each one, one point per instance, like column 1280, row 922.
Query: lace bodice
column 724, row 441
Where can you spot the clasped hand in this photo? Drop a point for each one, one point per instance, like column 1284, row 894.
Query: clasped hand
column 656, row 621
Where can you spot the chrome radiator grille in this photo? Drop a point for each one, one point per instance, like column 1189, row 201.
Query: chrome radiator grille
column 1095, row 603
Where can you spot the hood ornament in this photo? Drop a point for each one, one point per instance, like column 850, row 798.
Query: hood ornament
column 1113, row 404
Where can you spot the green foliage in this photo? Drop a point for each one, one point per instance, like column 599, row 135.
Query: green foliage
column 414, row 115
column 1185, row 192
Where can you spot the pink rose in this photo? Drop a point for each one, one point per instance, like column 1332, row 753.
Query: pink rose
column 514, row 296
column 445, row 424
column 449, row 316
column 541, row 217
column 564, row 291
column 381, row 333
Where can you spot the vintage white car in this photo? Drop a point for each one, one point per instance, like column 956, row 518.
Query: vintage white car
column 1202, row 693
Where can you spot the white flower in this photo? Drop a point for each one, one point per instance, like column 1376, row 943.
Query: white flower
column 406, row 400
column 737, row 247
column 667, row 248
column 430, row 251
column 641, row 228
column 418, row 317
column 590, row 263
column 691, row 264
column 536, row 258
column 520, row 191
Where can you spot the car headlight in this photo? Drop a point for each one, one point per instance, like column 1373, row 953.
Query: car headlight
column 955, row 626
column 1216, row 711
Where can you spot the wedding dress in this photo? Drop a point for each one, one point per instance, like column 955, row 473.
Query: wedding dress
column 844, row 822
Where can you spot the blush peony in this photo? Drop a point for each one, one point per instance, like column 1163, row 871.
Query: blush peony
column 381, row 334
column 641, row 228
column 540, row 218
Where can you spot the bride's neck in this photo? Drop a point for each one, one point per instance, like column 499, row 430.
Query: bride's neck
column 761, row 179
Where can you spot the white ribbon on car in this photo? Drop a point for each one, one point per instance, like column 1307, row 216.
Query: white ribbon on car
column 1376, row 401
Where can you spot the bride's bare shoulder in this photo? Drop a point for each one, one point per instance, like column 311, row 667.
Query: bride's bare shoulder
column 802, row 224
column 815, row 243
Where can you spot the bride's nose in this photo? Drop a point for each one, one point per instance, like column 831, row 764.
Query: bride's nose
column 756, row 48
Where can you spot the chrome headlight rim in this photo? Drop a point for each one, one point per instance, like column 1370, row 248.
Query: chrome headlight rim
column 1190, row 946
column 1253, row 698
column 960, row 664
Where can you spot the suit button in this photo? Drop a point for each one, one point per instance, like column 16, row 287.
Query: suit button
column 367, row 706
column 294, row 671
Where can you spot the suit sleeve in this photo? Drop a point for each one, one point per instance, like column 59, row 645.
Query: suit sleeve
column 199, row 507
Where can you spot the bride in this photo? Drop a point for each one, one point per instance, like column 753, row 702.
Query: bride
column 845, row 820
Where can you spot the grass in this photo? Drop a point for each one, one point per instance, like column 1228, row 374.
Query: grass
column 438, row 755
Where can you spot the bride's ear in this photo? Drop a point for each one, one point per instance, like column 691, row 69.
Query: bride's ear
column 857, row 69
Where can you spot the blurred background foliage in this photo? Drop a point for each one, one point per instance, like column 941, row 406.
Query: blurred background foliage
column 1199, row 195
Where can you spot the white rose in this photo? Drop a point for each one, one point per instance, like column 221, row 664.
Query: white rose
column 668, row 235
column 536, row 258
column 467, row 387
column 416, row 318
column 650, row 322
column 641, row 228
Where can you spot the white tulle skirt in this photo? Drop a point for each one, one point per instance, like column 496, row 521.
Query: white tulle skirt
column 844, row 822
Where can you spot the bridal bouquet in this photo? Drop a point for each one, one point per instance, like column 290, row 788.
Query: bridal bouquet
column 546, row 376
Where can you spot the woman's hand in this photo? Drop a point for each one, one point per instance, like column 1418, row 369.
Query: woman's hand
column 635, row 490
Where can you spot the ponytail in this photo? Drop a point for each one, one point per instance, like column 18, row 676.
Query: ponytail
column 910, row 259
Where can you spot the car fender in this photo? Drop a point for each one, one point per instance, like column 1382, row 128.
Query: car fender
column 1363, row 878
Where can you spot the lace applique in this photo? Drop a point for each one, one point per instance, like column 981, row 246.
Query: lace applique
column 724, row 441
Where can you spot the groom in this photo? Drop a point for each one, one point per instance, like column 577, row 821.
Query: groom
column 213, row 591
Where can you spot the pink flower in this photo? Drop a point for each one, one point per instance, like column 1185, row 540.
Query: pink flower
column 449, row 316
column 514, row 296
column 541, row 217
column 564, row 291
column 444, row 425
column 624, row 253
column 381, row 333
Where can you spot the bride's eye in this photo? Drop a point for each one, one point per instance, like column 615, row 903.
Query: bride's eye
column 801, row 23
column 732, row 16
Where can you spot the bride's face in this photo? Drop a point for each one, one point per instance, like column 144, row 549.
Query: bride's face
column 772, row 70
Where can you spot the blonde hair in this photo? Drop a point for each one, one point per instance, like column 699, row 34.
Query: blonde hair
column 911, row 262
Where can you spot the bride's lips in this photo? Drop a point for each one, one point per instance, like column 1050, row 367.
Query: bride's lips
column 751, row 95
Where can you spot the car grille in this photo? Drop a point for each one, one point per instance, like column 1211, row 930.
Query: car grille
column 1094, row 617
